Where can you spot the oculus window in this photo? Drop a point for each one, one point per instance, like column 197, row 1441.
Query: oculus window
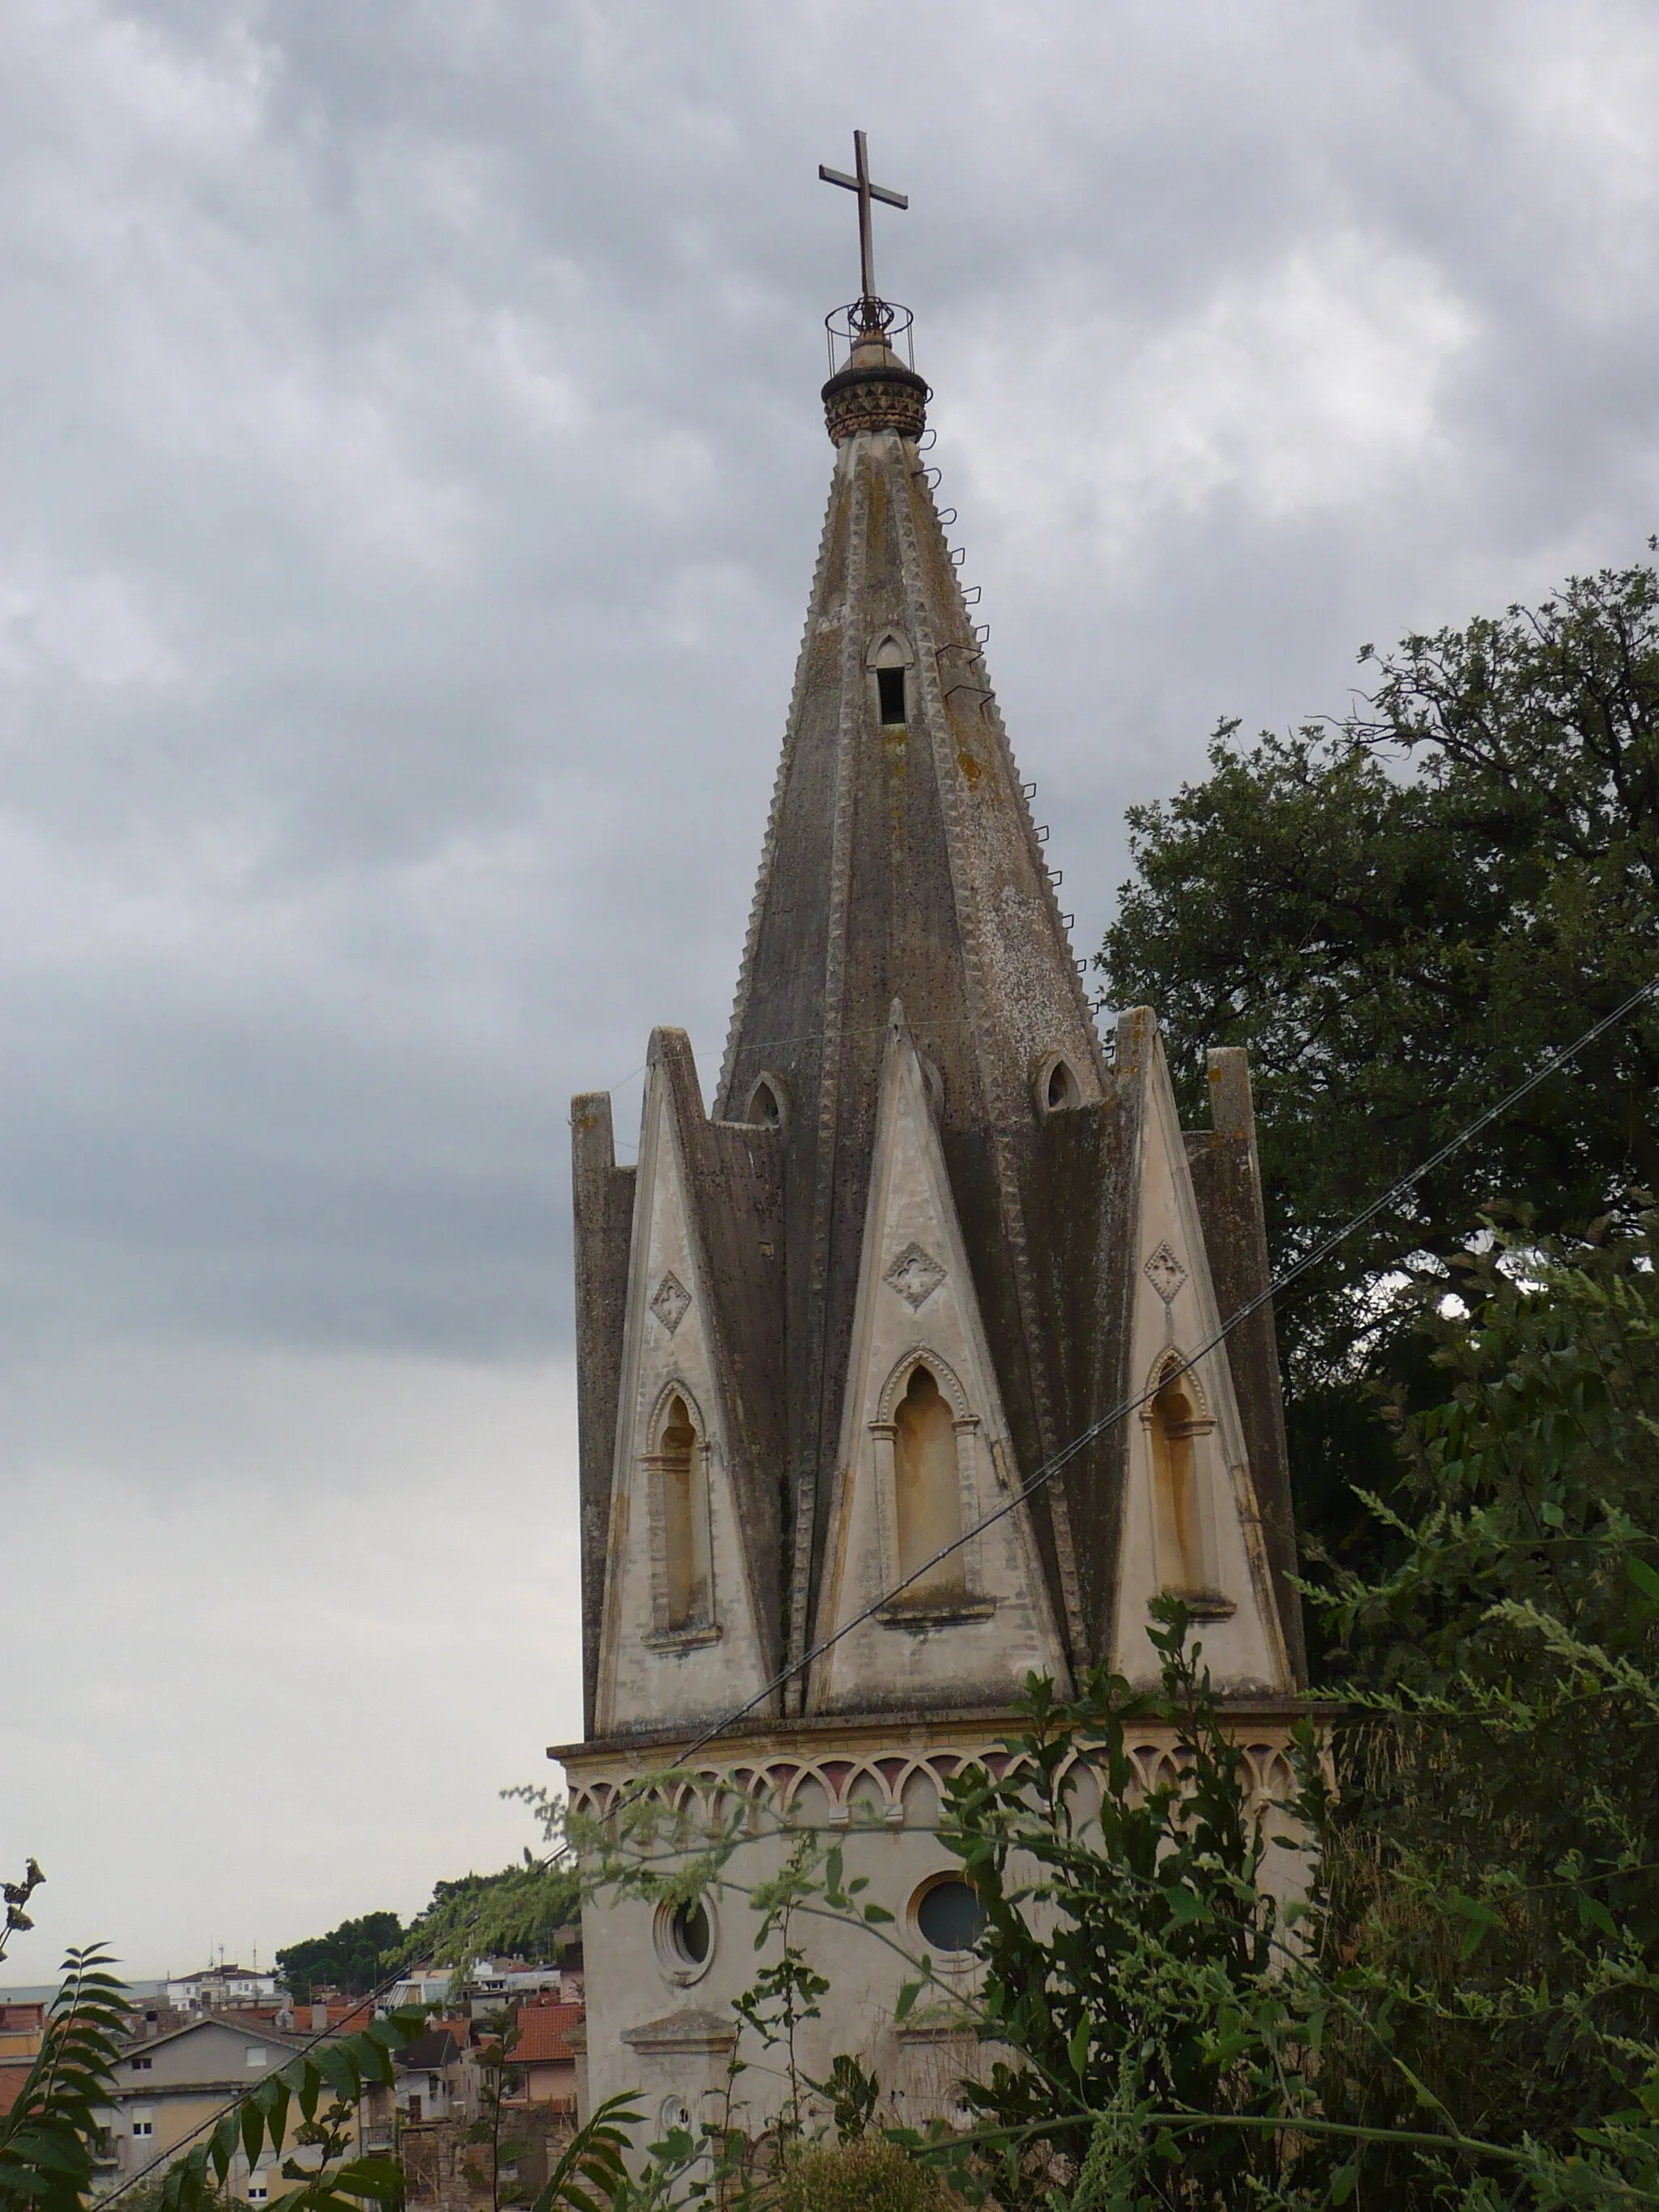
column 949, row 1916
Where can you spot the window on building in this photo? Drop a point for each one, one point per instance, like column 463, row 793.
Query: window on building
column 690, row 1932
column 1174, row 1474
column 683, row 1934
column 257, row 2193
column 679, row 1459
column 890, row 691
column 142, row 2066
column 143, row 2127
column 414, row 2108
column 927, row 1491
column 256, row 2055
column 949, row 1916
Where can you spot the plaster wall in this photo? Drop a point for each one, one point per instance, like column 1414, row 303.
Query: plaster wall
column 1174, row 1312
column 665, row 2032
column 647, row 1679
column 916, row 1303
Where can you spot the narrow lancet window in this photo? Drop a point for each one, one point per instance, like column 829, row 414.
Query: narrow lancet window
column 890, row 691
column 1174, row 1474
column 684, row 1496
column 927, row 1491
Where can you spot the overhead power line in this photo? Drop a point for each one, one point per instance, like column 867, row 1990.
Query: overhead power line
column 1550, row 1065
column 1046, row 1471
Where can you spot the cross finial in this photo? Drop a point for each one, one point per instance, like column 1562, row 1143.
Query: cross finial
column 859, row 182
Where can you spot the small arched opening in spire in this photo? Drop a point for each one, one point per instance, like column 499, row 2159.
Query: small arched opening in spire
column 1056, row 1084
column 889, row 661
column 768, row 1103
column 683, row 1502
column 926, row 1487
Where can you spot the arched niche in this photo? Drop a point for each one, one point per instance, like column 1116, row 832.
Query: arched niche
column 926, row 1487
column 925, row 1443
column 682, row 1562
column 1179, row 1428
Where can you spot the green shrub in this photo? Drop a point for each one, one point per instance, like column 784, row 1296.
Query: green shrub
column 869, row 2176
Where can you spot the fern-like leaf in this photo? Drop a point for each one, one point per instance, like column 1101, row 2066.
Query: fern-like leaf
column 49, row 2138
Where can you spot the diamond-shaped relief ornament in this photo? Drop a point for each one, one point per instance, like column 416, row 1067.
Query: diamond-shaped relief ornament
column 916, row 1275
column 1165, row 1273
column 671, row 1302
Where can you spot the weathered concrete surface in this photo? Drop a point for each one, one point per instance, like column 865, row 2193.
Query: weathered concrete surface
column 921, row 1169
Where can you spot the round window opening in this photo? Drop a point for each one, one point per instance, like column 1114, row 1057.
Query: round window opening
column 949, row 1915
column 690, row 1934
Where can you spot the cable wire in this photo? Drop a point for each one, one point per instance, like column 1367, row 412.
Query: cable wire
column 1043, row 1474
column 1051, row 1467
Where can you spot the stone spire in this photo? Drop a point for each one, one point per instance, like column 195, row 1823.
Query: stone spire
column 901, row 1373
column 921, row 1170
column 901, row 863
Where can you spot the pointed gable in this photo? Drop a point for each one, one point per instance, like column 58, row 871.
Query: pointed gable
column 1190, row 1520
column 925, row 1455
column 692, row 1600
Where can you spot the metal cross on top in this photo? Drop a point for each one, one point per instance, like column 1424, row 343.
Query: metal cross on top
column 859, row 183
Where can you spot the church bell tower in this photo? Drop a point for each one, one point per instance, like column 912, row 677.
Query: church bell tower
column 832, row 1333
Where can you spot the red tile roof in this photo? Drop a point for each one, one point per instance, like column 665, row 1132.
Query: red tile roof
column 542, row 2030
column 343, row 2012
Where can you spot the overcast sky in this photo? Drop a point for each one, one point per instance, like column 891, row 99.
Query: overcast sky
column 410, row 470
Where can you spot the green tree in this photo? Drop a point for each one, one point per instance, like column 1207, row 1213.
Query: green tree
column 350, row 1957
column 1400, row 914
column 1466, row 2013
column 1134, row 1964
column 1495, row 1871
column 518, row 1912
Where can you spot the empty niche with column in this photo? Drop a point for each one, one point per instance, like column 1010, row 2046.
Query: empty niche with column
column 925, row 1443
column 679, row 1472
column 1179, row 1425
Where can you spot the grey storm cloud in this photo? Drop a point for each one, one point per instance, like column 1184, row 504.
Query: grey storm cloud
column 410, row 476
column 413, row 474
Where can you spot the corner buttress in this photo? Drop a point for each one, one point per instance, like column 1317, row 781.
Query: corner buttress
column 604, row 1209
column 1226, row 1171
